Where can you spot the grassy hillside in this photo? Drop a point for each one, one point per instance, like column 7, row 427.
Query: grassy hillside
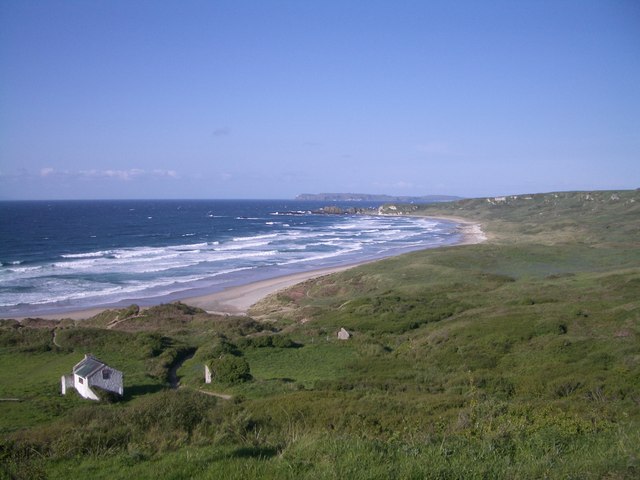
column 592, row 218
column 517, row 358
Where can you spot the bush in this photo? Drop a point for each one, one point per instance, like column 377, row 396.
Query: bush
column 230, row 369
column 217, row 348
column 106, row 396
column 25, row 339
column 20, row 462
column 150, row 344
column 170, row 410
column 270, row 341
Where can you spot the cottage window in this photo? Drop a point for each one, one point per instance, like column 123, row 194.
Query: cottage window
column 80, row 380
column 106, row 374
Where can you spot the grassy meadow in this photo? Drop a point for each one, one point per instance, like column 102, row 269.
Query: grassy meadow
column 515, row 358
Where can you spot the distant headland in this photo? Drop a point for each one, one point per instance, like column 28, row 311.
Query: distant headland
column 367, row 197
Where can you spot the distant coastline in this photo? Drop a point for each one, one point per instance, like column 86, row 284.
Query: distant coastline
column 367, row 197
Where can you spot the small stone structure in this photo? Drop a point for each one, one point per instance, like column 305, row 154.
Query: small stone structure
column 207, row 374
column 343, row 334
column 91, row 372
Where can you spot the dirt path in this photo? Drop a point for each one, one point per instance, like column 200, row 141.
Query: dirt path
column 174, row 380
column 224, row 396
column 54, row 339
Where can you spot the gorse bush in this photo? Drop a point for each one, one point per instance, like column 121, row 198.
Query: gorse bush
column 21, row 339
column 268, row 341
column 151, row 344
column 229, row 369
column 106, row 396
column 216, row 348
column 18, row 462
column 92, row 339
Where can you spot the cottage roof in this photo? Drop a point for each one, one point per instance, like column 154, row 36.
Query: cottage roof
column 88, row 366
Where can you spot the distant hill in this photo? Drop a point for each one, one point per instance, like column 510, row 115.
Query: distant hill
column 607, row 216
column 366, row 197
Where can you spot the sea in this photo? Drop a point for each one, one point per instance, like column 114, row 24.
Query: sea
column 62, row 256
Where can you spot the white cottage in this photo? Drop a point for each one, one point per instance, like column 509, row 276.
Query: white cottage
column 91, row 372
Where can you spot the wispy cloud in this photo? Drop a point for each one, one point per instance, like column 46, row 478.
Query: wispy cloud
column 125, row 175
column 165, row 173
column 221, row 132
column 116, row 174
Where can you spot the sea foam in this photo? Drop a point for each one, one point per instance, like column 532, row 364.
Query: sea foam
column 130, row 257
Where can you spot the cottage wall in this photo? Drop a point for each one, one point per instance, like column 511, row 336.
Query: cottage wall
column 107, row 379
column 66, row 381
column 83, row 387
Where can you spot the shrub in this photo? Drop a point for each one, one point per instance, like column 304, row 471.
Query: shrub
column 25, row 339
column 269, row 341
column 150, row 344
column 19, row 461
column 130, row 311
column 230, row 369
column 170, row 410
column 106, row 396
column 220, row 346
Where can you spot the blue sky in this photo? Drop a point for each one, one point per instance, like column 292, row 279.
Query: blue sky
column 267, row 99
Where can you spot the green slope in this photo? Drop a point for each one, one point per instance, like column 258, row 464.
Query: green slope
column 516, row 358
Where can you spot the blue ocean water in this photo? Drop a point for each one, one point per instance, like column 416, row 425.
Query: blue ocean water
column 69, row 255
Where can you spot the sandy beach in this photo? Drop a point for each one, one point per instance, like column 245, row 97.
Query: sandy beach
column 472, row 232
column 238, row 299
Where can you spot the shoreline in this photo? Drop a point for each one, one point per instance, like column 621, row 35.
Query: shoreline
column 236, row 300
column 472, row 232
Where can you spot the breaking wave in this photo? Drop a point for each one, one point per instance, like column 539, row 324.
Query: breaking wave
column 141, row 263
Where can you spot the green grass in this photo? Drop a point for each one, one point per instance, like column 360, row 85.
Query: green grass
column 337, row 457
column 34, row 379
column 325, row 359
column 518, row 358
